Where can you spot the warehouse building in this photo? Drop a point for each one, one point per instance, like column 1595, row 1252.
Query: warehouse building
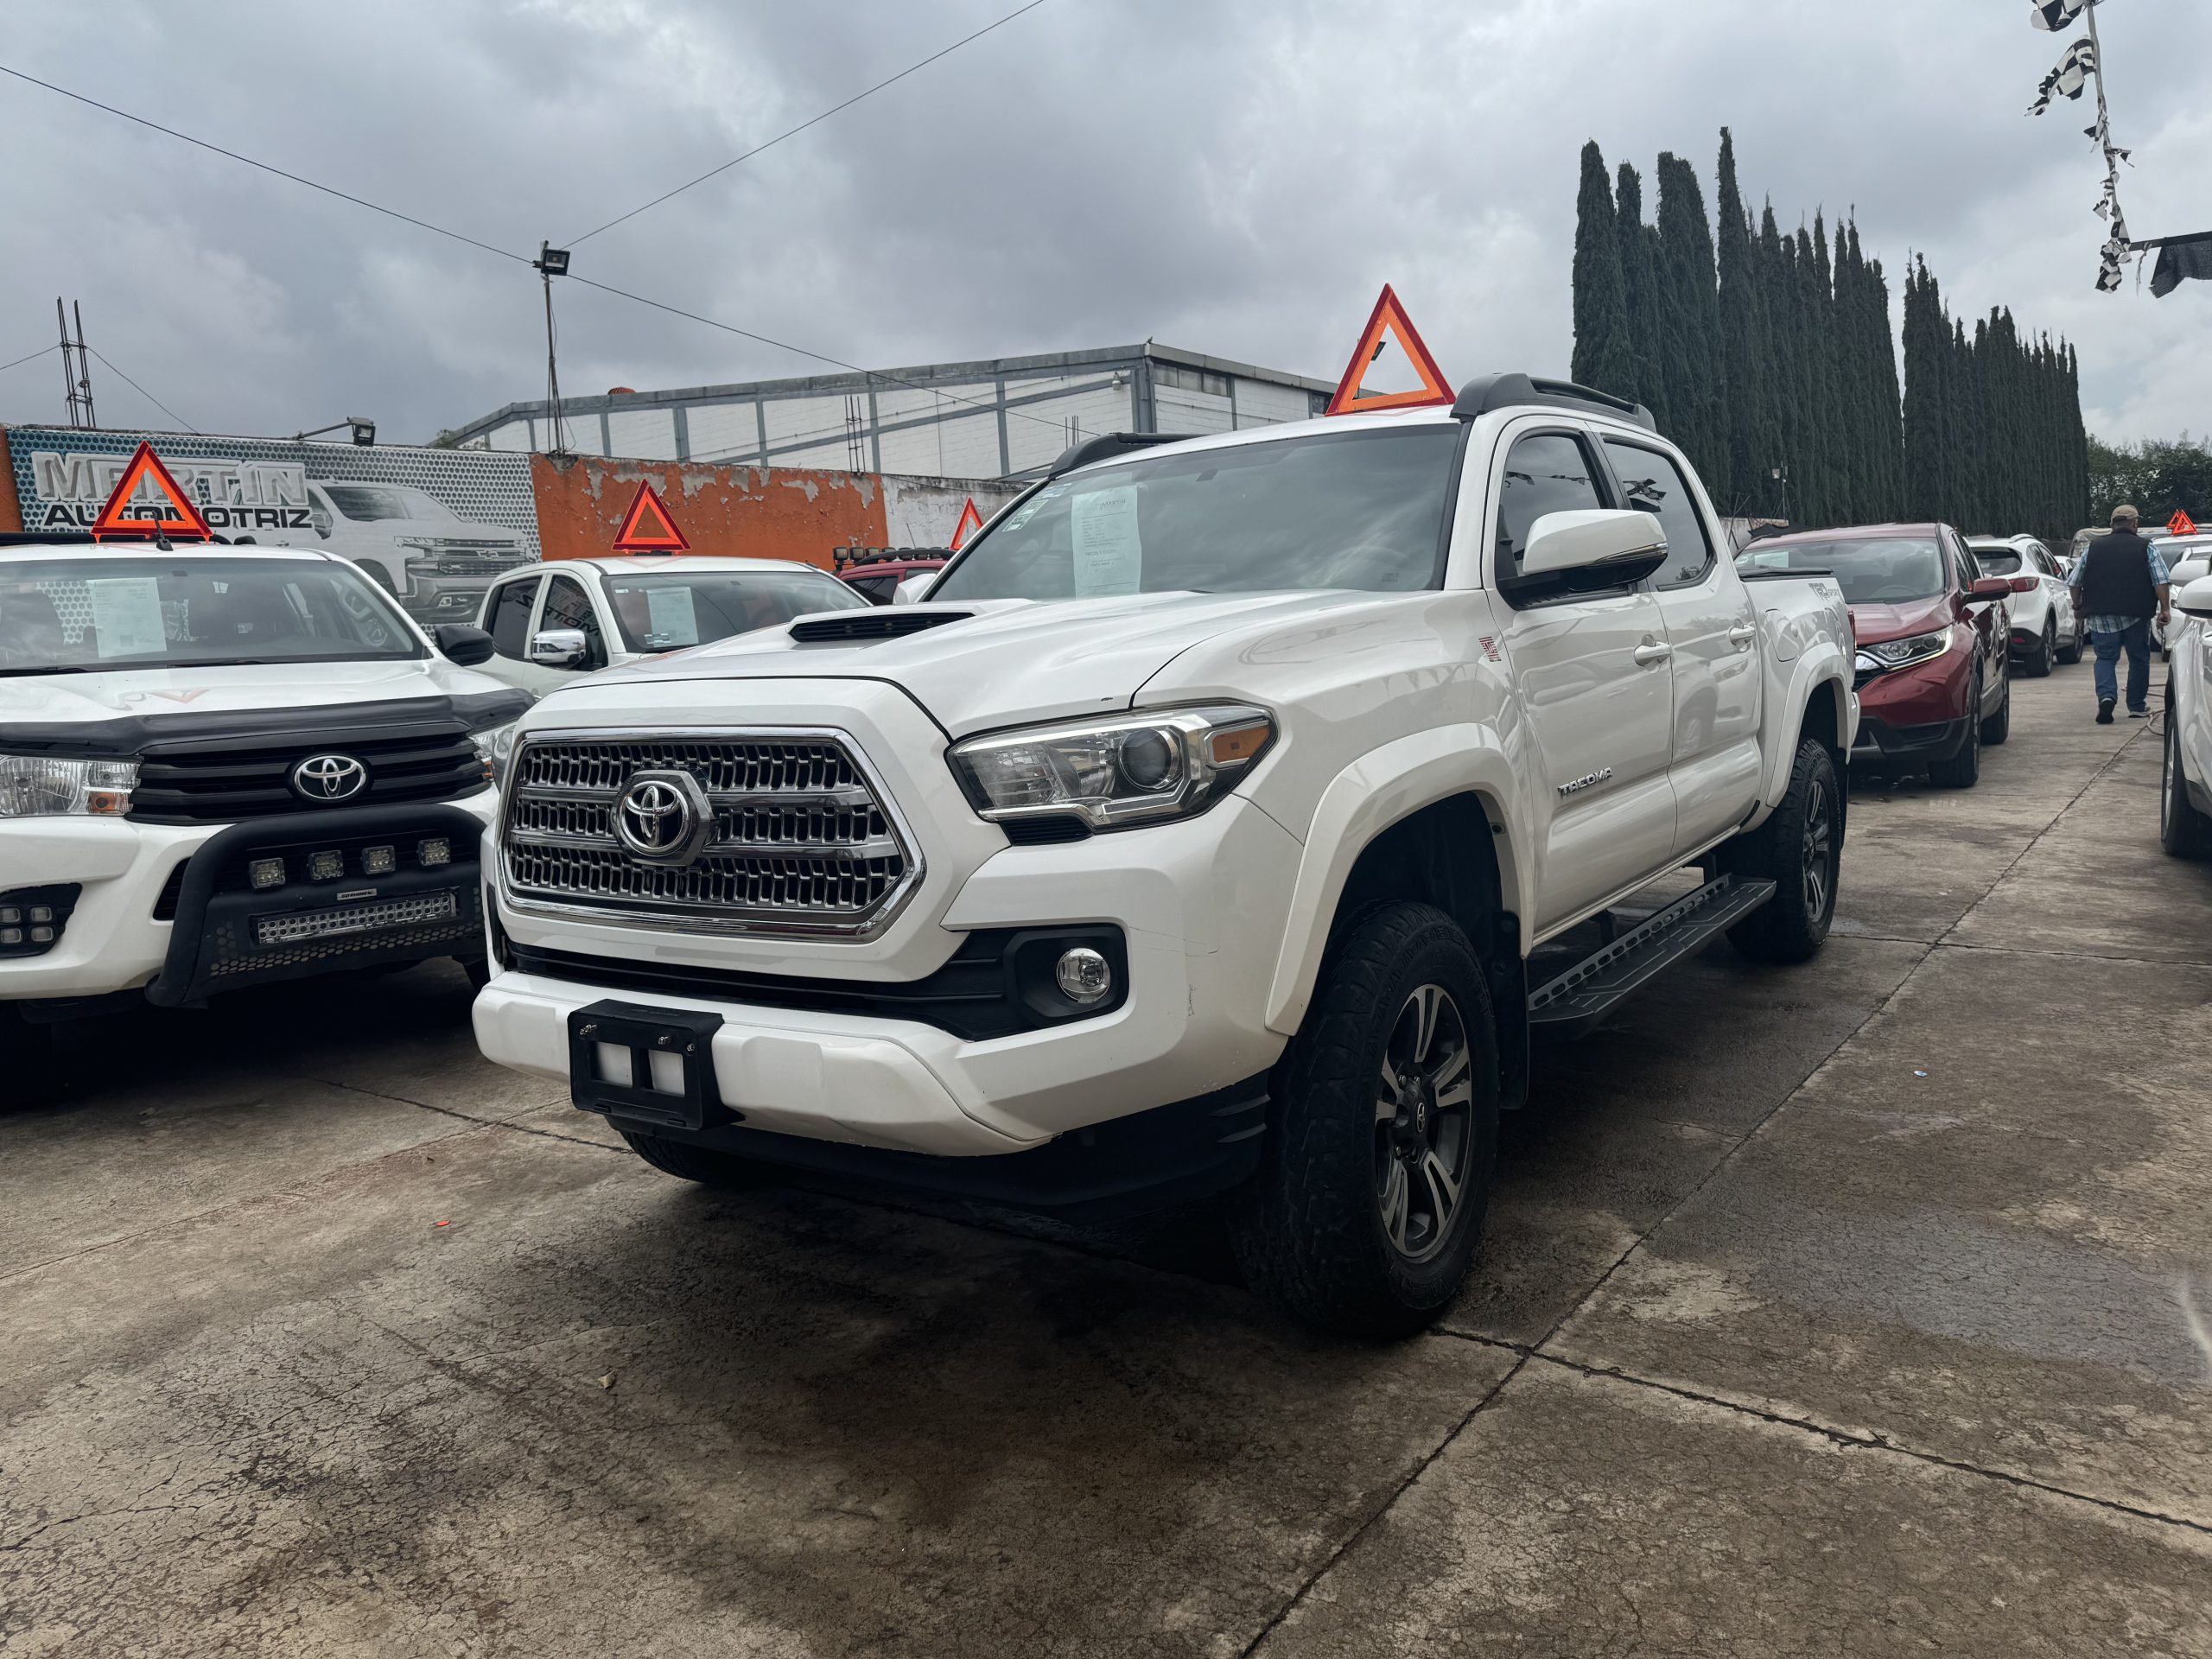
column 1006, row 418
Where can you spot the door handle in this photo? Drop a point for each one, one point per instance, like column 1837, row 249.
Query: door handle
column 1651, row 652
column 1742, row 634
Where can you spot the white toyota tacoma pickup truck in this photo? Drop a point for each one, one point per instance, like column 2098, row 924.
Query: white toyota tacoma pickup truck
column 221, row 767
column 1207, row 830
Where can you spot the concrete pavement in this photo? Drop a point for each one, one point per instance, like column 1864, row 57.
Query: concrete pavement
column 1844, row 1309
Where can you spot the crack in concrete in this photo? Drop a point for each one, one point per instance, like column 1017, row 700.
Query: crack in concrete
column 506, row 1122
column 1841, row 1437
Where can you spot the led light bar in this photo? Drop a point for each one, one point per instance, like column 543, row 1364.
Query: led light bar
column 355, row 918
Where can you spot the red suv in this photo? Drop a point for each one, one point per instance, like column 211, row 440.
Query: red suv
column 1933, row 641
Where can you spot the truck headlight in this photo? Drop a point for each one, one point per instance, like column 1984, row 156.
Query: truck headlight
column 1903, row 653
column 1114, row 774
column 39, row 786
column 495, row 744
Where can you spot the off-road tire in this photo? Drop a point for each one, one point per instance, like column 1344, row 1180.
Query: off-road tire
column 1963, row 769
column 1308, row 1228
column 1998, row 726
column 2037, row 663
column 724, row 1170
column 29, row 1073
column 2183, row 830
column 1793, row 925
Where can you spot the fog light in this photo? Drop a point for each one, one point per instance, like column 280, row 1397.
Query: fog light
column 379, row 861
column 10, row 913
column 434, row 852
column 1083, row 974
column 326, row 867
column 11, row 936
column 42, row 935
column 41, row 912
column 265, row 873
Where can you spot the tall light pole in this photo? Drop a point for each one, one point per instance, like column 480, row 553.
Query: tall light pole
column 552, row 262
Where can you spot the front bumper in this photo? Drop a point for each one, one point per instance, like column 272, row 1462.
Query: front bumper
column 135, row 923
column 1200, row 905
column 1917, row 713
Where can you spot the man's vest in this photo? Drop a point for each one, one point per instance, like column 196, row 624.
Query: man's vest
column 2116, row 577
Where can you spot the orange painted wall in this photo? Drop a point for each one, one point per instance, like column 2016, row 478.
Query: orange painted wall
column 735, row 512
column 11, row 510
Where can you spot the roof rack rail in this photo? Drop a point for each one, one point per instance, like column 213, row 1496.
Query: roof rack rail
column 1489, row 391
column 1108, row 445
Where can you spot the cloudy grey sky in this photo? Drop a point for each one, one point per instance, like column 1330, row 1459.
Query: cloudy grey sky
column 1234, row 176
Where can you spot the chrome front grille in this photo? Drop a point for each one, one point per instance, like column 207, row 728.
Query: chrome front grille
column 802, row 840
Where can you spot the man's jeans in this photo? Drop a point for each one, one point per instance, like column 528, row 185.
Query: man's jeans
column 2136, row 637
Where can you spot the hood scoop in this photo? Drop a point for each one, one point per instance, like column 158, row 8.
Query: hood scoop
column 884, row 623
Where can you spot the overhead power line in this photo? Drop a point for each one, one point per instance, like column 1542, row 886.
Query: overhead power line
column 142, row 392
column 771, row 143
column 604, row 287
column 33, row 358
column 359, row 201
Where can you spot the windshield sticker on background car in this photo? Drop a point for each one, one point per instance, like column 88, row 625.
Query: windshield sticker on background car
column 127, row 615
column 1109, row 555
column 672, row 618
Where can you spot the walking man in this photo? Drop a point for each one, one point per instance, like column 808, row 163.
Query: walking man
column 2117, row 584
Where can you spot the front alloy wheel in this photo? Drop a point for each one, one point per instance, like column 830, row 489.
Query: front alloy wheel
column 1424, row 1111
column 1817, row 852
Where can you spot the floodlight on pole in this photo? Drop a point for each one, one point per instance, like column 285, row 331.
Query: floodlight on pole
column 552, row 262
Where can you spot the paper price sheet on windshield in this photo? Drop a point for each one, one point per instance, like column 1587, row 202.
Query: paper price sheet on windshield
column 671, row 617
column 1108, row 557
column 127, row 615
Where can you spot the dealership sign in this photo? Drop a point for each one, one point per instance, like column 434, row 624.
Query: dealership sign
column 71, row 487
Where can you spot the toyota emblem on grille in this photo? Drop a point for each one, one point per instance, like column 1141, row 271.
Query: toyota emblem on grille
column 663, row 817
column 329, row 777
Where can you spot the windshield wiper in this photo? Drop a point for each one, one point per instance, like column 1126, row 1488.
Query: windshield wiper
column 55, row 668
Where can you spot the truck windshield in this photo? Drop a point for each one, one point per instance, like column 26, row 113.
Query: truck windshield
column 1871, row 570
column 660, row 612
column 59, row 616
column 1363, row 509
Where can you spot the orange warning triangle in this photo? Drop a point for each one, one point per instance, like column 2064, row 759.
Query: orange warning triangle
column 647, row 527
column 969, row 520
column 122, row 522
column 2181, row 524
column 1389, row 315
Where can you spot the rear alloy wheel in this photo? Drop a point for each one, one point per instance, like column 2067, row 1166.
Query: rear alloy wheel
column 2038, row 663
column 1363, row 1214
column 1961, row 770
column 2183, row 830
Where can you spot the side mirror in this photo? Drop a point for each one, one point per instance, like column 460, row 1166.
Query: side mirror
column 915, row 589
column 559, row 648
column 461, row 643
column 1989, row 588
column 2195, row 600
column 1623, row 546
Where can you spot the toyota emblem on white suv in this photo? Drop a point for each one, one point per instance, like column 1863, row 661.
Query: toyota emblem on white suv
column 663, row 817
column 329, row 777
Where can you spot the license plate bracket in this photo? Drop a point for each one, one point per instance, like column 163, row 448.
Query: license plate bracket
column 687, row 1037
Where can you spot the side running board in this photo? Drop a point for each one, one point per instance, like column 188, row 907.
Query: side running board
column 1571, row 1004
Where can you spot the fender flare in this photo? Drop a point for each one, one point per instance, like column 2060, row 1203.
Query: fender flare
column 1379, row 789
column 1824, row 664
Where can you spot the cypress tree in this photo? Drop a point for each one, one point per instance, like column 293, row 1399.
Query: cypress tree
column 1888, row 423
column 1741, row 482
column 1688, row 235
column 1602, row 355
column 1923, row 412
column 1778, row 287
column 1815, row 444
column 1640, row 281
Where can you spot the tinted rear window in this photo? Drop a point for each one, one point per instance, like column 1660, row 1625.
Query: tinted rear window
column 1997, row 561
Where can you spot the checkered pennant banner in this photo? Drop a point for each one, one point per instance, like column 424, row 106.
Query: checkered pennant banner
column 2067, row 81
column 2112, row 262
column 2055, row 14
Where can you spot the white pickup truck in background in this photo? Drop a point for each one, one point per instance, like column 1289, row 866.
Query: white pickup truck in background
column 1225, row 820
